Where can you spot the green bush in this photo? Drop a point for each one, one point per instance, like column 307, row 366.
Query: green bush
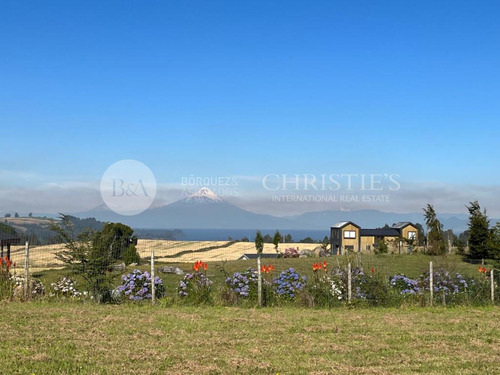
column 131, row 255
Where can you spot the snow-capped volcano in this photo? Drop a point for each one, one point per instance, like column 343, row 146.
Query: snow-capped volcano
column 204, row 195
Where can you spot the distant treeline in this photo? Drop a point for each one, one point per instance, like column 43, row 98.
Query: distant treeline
column 42, row 234
column 159, row 234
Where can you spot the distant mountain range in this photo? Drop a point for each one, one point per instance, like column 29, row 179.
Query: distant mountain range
column 205, row 210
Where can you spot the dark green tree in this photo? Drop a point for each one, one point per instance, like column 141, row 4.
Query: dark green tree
column 307, row 240
column 267, row 239
column 479, row 233
column 114, row 239
column 276, row 240
column 259, row 242
column 494, row 243
column 288, row 238
column 131, row 255
column 435, row 241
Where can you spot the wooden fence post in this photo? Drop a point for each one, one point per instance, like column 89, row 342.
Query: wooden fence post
column 349, row 283
column 259, row 282
column 27, row 271
column 153, row 286
column 431, row 282
column 492, row 281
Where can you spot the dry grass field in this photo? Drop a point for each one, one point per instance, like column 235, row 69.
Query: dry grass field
column 43, row 257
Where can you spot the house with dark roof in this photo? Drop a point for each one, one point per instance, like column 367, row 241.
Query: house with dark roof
column 346, row 237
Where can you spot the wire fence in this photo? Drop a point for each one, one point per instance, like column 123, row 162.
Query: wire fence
column 309, row 276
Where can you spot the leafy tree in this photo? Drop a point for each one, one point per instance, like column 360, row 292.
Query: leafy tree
column 276, row 240
column 460, row 245
column 84, row 259
column 131, row 255
column 16, row 215
column 30, row 214
column 421, row 234
column 7, row 215
column 325, row 243
column 307, row 240
column 288, row 238
column 464, row 236
column 479, row 231
column 114, row 239
column 435, row 241
column 7, row 229
column 267, row 239
column 91, row 254
column 449, row 237
column 245, row 239
column 259, row 242
column 381, row 247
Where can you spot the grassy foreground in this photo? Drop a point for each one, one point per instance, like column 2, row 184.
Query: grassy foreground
column 72, row 338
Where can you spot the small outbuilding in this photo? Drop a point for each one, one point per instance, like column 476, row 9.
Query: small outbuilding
column 8, row 239
column 255, row 256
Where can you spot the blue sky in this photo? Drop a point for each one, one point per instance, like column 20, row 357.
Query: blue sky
column 234, row 88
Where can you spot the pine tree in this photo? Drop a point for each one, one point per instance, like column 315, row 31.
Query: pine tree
column 259, row 242
column 479, row 235
column 276, row 240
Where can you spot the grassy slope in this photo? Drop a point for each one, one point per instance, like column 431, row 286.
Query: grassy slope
column 72, row 338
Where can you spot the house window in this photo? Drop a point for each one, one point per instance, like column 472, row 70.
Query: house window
column 368, row 247
column 412, row 235
column 349, row 234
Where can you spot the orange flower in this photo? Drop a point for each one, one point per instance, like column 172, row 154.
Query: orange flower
column 372, row 270
column 267, row 269
column 205, row 266
column 479, row 269
column 484, row 270
column 325, row 265
column 197, row 265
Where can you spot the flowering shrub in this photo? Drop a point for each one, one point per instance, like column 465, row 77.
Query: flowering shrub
column 196, row 285
column 6, row 279
column 37, row 289
column 446, row 284
column 404, row 285
column 325, row 290
column 288, row 283
column 137, row 286
column 371, row 288
column 291, row 252
column 240, row 283
column 64, row 288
